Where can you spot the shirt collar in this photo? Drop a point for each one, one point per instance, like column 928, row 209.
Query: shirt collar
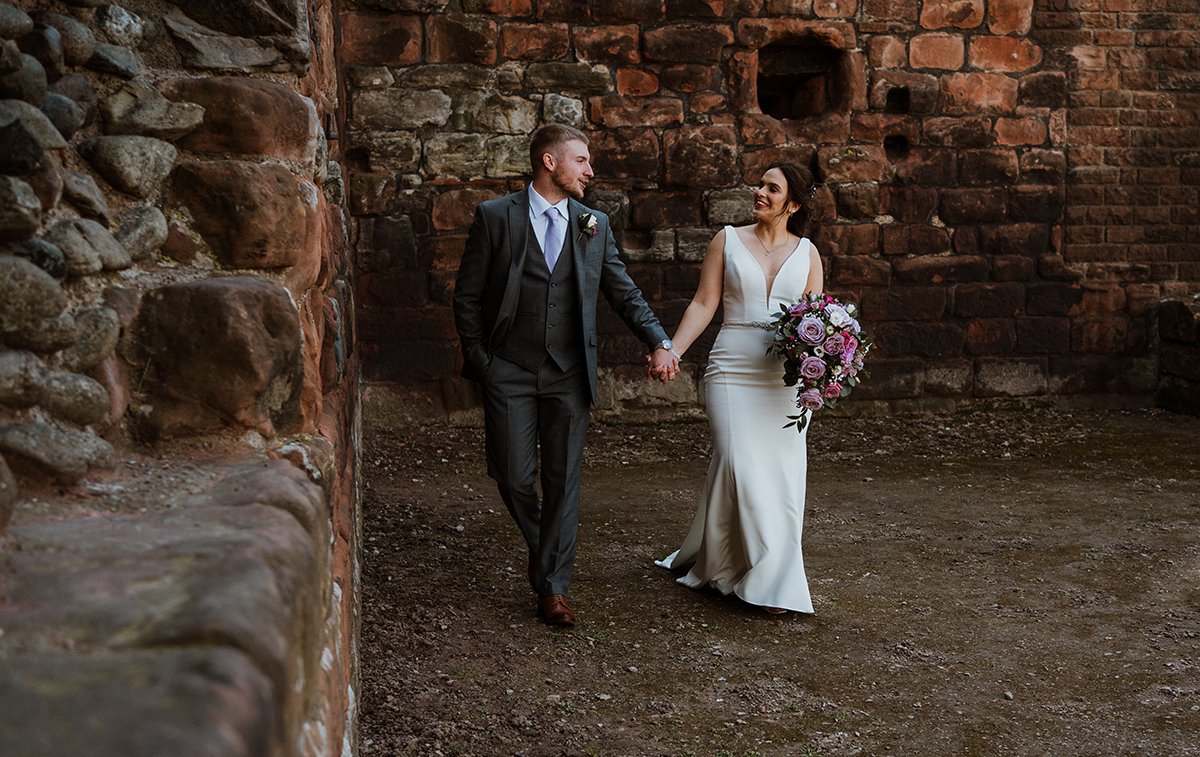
column 538, row 204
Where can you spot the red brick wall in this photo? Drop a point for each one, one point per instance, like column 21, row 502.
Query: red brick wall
column 1046, row 198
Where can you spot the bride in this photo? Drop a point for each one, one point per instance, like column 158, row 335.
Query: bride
column 745, row 538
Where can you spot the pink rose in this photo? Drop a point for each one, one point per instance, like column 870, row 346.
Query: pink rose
column 810, row 399
column 833, row 391
column 812, row 368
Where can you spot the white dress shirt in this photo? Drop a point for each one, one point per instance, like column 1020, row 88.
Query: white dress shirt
column 537, row 215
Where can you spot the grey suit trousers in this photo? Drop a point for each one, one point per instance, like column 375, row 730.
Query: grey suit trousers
column 522, row 411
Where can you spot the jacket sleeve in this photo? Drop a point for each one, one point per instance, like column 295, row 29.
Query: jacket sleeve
column 468, row 297
column 624, row 295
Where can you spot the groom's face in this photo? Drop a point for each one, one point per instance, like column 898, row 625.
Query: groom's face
column 572, row 169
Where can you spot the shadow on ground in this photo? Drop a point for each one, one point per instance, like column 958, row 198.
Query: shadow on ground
column 1002, row 583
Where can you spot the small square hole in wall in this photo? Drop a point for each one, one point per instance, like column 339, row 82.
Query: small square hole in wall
column 895, row 146
column 898, row 100
column 800, row 78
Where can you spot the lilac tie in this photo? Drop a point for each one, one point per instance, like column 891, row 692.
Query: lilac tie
column 554, row 236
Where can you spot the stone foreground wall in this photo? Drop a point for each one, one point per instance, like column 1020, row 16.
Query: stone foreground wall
column 1008, row 187
column 1179, row 356
column 178, row 381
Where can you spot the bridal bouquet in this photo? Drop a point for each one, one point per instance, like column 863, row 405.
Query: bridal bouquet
column 823, row 349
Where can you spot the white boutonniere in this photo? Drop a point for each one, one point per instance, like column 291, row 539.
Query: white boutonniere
column 587, row 225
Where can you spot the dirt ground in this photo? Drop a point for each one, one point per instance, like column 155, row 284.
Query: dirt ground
column 1008, row 583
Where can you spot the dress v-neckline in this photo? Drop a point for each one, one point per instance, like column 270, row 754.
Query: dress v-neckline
column 769, row 287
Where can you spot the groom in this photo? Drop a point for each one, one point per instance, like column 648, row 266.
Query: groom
column 525, row 310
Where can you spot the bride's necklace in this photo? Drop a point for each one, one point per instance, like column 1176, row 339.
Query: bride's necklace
column 768, row 252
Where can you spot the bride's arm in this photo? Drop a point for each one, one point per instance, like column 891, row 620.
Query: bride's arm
column 707, row 299
column 816, row 273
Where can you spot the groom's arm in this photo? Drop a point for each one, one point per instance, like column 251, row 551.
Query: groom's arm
column 469, row 289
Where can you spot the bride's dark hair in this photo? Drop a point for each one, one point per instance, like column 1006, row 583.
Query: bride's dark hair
column 800, row 184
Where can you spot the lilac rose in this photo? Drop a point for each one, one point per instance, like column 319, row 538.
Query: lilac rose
column 811, row 330
column 835, row 345
column 812, row 368
column 810, row 399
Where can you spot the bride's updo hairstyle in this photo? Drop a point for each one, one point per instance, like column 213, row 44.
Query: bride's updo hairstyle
column 800, row 184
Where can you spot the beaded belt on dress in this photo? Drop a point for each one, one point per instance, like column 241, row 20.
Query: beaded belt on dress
column 766, row 325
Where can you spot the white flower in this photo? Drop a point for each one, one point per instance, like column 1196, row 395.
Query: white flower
column 836, row 314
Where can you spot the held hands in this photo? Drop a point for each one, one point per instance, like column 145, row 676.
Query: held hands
column 662, row 365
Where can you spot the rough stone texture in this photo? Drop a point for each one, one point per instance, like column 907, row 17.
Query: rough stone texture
column 139, row 108
column 80, row 190
column 119, row 26
column 20, row 209
column 22, row 376
column 36, row 122
column 14, row 22
column 27, row 296
column 249, row 116
column 252, row 215
column 88, row 247
column 223, row 350
column 27, row 83
column 73, row 397
column 116, row 60
column 97, row 331
column 133, row 164
column 64, row 453
column 64, row 114
column 142, row 231
column 78, row 42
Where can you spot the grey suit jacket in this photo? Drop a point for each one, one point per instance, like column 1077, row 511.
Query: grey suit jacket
column 485, row 292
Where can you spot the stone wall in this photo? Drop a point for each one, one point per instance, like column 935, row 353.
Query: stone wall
column 1179, row 356
column 178, row 381
column 1006, row 189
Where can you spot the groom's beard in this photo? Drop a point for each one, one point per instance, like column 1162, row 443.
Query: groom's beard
column 572, row 188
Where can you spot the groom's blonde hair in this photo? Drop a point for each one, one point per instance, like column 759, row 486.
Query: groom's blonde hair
column 548, row 138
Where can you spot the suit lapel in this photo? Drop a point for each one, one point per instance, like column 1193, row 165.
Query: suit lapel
column 518, row 240
column 578, row 241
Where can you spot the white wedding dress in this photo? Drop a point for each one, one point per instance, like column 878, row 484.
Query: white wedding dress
column 745, row 538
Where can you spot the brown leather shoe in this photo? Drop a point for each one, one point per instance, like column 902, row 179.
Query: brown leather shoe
column 553, row 610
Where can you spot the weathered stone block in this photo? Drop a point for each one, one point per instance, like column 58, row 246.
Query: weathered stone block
column 988, row 300
column 608, row 44
column 569, row 78
column 1025, row 239
column 64, row 453
column 455, row 209
column 972, row 205
column 1043, row 336
column 616, row 111
column 941, row 269
column 991, row 336
column 139, row 108
column 1007, row 54
column 20, row 209
column 903, row 92
column 859, row 270
column 943, row 51
column 541, row 41
column 221, row 351
column 508, row 156
column 460, row 38
column 377, row 39
column 483, row 113
column 854, row 163
column 455, row 154
column 1008, row 16
column 988, row 167
column 626, row 154
column 1036, row 203
column 252, row 215
column 892, row 378
column 1012, row 377
column 691, row 245
column 687, row 41
column 557, row 109
column 251, row 116
column 979, row 93
column 136, row 165
column 400, row 108
column 904, row 304
column 958, row 14
column 1044, row 89
column 730, row 206
column 701, row 156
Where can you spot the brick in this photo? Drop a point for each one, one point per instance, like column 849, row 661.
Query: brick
column 911, row 204
column 835, row 8
column 608, row 44
column 460, row 38
column 1044, row 89
column 688, row 41
column 892, row 378
column 376, row 39
column 990, row 336
column 968, row 131
column 1036, row 203
column 852, row 239
column 1010, row 377
column 904, row 304
column 628, row 10
column 626, row 154
column 455, row 209
column 886, row 51
column 920, row 338
column 1026, row 239
column 858, row 270
column 928, row 166
column 957, row 14
column 701, row 156
column 664, row 209
column 890, row 10
column 617, row 110
column 976, row 93
column 858, row 200
column 1021, row 131
column 691, row 78
column 1102, row 298
column 1005, row 54
column 1053, row 299
column 949, row 378
column 926, row 239
column 1107, row 336
column 941, row 269
column 873, row 127
column 541, row 41
column 756, row 162
column 1009, row 16
column 1002, row 300
column 758, row 32
column 506, row 8
column 636, row 82
column 1013, row 268
column 972, row 205
column 987, row 167
column 943, row 51
column 1043, row 336
column 853, row 163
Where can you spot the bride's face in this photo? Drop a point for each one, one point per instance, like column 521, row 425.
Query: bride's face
column 771, row 198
